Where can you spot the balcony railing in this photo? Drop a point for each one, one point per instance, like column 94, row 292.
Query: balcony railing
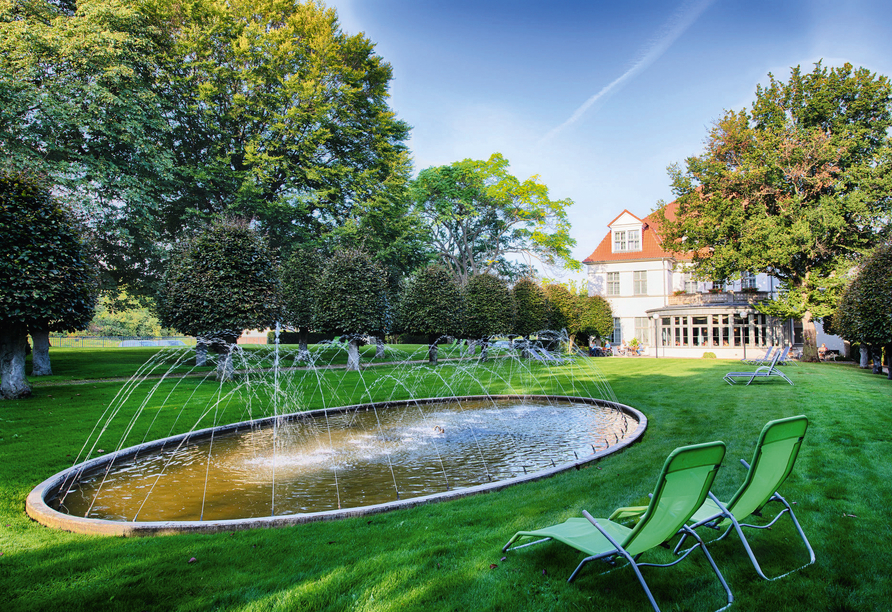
column 723, row 297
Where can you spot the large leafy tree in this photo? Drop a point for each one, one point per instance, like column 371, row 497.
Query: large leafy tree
column 387, row 227
column 431, row 304
column 864, row 308
column 480, row 216
column 155, row 115
column 794, row 187
column 80, row 103
column 219, row 283
column 489, row 309
column 277, row 115
column 351, row 299
column 46, row 278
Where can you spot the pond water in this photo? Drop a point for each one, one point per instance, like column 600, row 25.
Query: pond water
column 344, row 459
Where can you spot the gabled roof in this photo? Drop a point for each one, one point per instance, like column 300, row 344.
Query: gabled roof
column 624, row 212
column 651, row 244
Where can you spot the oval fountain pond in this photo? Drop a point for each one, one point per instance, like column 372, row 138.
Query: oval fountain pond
column 332, row 463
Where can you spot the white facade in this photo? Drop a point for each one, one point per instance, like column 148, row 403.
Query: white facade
column 656, row 301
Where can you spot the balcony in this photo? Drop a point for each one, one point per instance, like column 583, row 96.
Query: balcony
column 722, row 297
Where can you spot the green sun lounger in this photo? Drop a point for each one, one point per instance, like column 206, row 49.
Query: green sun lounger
column 681, row 489
column 773, row 460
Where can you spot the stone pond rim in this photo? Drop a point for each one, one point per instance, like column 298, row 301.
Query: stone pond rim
column 38, row 509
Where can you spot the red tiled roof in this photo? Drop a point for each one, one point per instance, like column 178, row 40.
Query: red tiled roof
column 651, row 245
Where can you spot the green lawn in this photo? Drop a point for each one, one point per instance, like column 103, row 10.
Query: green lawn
column 439, row 557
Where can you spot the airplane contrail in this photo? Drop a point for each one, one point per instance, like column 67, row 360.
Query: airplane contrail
column 680, row 21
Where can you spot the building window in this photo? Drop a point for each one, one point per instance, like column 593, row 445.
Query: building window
column 617, row 331
column 700, row 331
column 718, row 330
column 639, row 283
column 613, row 283
column 747, row 280
column 690, row 285
column 718, row 285
column 626, row 240
column 619, row 242
column 642, row 330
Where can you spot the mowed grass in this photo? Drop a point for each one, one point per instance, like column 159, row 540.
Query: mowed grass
column 441, row 556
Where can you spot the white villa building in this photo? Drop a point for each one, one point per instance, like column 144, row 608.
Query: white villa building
column 656, row 301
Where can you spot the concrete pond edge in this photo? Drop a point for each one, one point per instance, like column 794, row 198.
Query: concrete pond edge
column 38, row 509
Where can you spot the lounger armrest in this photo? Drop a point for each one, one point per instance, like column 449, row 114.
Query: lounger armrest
column 627, row 512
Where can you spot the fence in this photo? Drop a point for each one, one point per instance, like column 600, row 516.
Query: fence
column 119, row 341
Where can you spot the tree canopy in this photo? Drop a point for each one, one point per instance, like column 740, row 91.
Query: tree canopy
column 219, row 283
column 796, row 187
column 279, row 116
column 431, row 304
column 531, row 305
column 479, row 215
column 47, row 279
column 489, row 307
column 864, row 309
column 153, row 116
column 351, row 299
column 596, row 316
column 80, row 103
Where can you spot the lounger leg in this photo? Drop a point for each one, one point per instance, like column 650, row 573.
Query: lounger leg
column 749, row 551
column 578, row 567
column 647, row 592
column 811, row 552
column 715, row 568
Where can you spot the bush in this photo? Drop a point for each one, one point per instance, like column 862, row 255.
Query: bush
column 709, row 355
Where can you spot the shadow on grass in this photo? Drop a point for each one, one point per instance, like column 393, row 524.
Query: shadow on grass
column 388, row 562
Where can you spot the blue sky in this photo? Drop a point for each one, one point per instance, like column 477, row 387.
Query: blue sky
column 598, row 97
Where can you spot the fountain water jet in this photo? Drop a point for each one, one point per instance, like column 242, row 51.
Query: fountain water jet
column 269, row 400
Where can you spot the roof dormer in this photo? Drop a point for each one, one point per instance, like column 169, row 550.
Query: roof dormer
column 625, row 233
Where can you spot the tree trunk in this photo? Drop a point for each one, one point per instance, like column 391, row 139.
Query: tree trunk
column 224, row 347
column 525, row 351
column 353, row 355
column 876, row 353
column 809, row 338
column 40, row 352
column 889, row 361
column 201, row 352
column 13, row 340
column 303, row 351
column 865, row 357
column 379, row 347
column 432, row 350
